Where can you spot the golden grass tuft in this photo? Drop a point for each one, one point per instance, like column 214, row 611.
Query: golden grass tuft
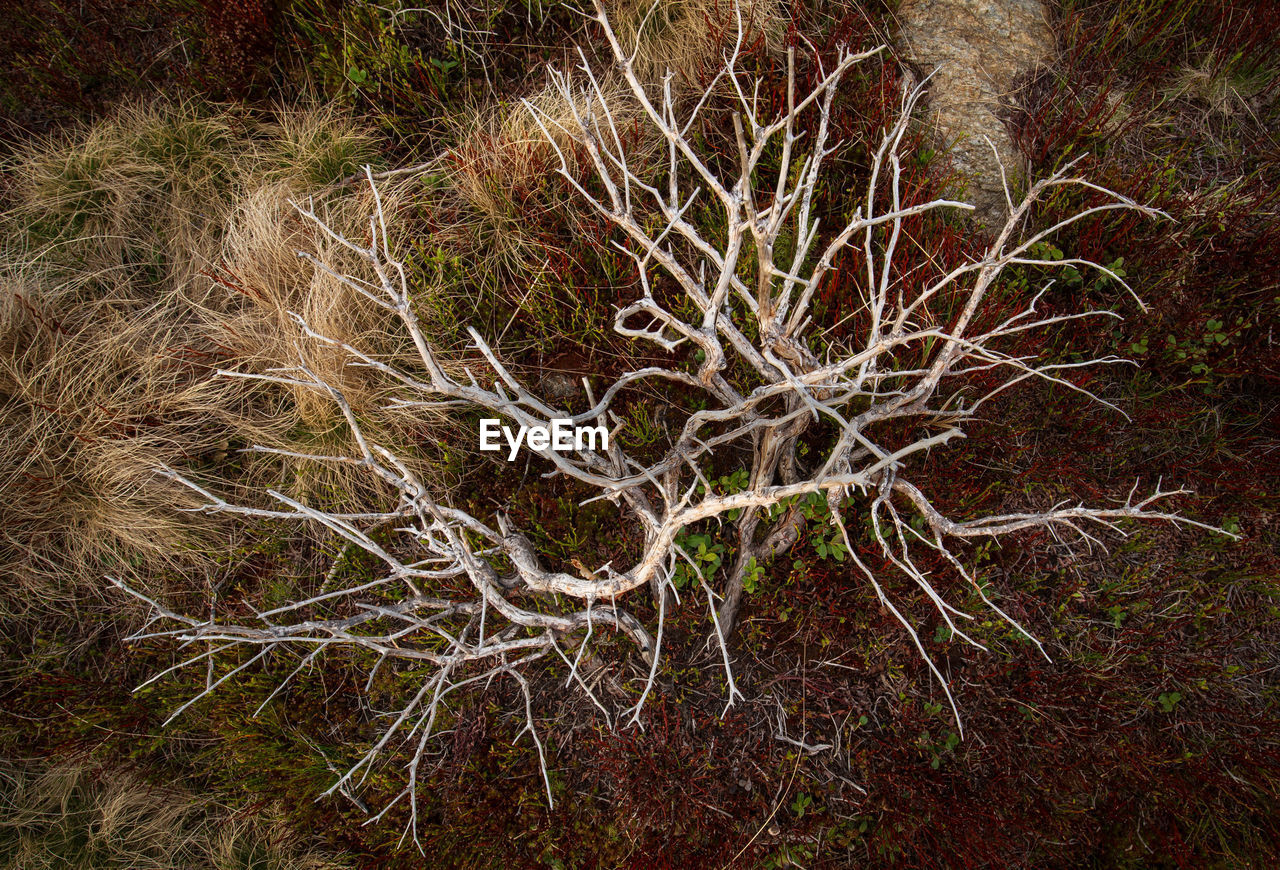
column 75, row 816
column 1214, row 85
column 260, row 259
column 142, row 254
column 495, row 183
column 688, row 37
column 494, row 180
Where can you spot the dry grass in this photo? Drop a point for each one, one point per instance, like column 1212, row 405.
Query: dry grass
column 260, row 260
column 142, row 254
column 75, row 816
column 1213, row 85
column 687, row 37
column 492, row 182
column 495, row 181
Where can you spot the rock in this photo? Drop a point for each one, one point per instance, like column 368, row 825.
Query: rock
column 560, row 387
column 980, row 48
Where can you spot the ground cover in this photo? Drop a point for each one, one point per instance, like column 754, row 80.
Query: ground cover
column 1148, row 741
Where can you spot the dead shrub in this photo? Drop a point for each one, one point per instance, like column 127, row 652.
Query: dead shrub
column 494, row 188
